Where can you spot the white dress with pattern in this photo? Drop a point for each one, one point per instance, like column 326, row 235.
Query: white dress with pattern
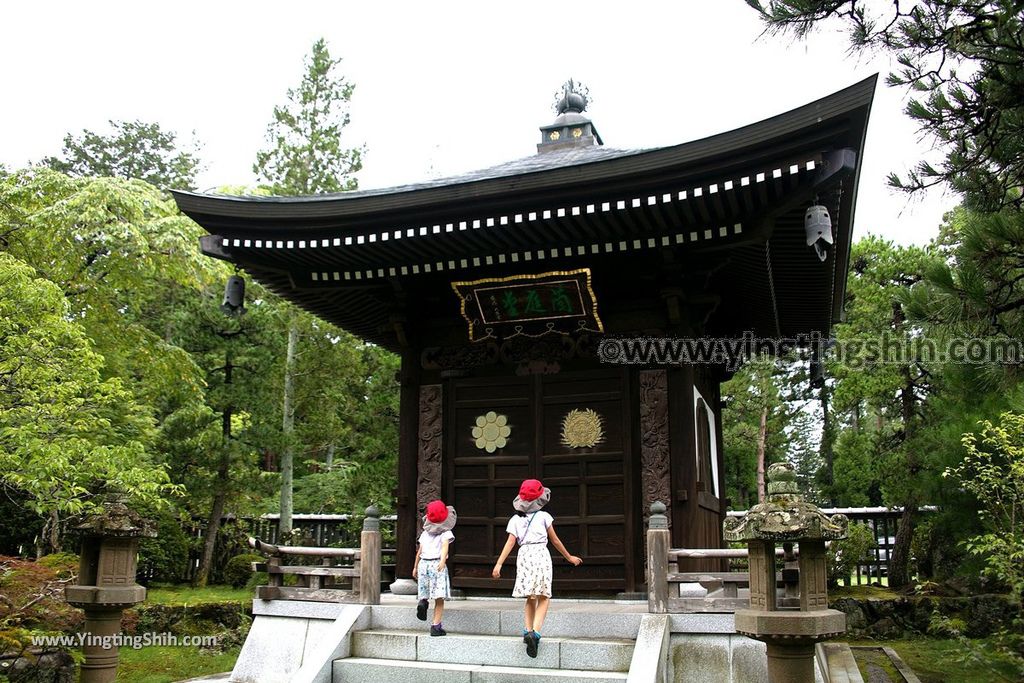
column 533, row 562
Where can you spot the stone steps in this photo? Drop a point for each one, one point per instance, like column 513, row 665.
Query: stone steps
column 589, row 654
column 570, row 622
column 362, row 670
column 414, row 656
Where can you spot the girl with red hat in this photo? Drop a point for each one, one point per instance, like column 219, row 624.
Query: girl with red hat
column 532, row 528
column 430, row 566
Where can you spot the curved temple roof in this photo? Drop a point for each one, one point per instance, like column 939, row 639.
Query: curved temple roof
column 355, row 258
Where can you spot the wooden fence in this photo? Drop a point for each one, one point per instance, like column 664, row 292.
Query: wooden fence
column 356, row 580
column 664, row 578
column 321, row 531
column 883, row 523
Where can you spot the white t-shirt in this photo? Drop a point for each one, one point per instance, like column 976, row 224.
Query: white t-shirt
column 430, row 544
column 530, row 532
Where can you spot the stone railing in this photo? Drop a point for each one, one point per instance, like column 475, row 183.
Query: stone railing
column 358, row 580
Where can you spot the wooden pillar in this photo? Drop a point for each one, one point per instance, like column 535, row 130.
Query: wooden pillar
column 408, row 445
column 369, row 556
column 657, row 560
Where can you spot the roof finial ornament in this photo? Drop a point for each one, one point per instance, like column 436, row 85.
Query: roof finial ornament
column 574, row 97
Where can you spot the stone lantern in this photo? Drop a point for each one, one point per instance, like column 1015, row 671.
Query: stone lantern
column 790, row 634
column 106, row 584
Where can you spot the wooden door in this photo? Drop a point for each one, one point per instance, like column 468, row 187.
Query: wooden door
column 593, row 495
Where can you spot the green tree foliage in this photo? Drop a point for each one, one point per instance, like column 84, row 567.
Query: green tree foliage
column 963, row 62
column 355, row 414
column 762, row 386
column 66, row 433
column 881, row 386
column 305, row 155
column 130, row 269
column 134, row 150
column 976, row 290
column 992, row 470
column 123, row 256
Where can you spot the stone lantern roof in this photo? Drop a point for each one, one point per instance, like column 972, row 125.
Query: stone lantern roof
column 117, row 520
column 785, row 515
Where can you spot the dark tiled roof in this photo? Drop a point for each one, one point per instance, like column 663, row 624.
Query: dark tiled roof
column 531, row 164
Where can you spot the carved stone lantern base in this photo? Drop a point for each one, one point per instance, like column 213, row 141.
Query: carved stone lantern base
column 790, row 638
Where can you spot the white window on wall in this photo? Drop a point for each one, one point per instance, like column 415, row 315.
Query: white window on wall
column 707, row 445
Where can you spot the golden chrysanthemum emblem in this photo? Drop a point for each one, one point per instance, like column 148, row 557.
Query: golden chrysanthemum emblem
column 582, row 429
column 491, row 432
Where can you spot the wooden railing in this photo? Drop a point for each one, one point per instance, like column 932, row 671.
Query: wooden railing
column 357, row 580
column 664, row 577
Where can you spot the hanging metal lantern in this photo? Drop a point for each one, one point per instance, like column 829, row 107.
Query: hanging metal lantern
column 234, row 296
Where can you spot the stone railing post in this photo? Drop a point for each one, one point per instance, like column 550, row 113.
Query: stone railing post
column 369, row 555
column 657, row 559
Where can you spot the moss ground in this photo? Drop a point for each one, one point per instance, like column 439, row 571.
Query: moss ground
column 937, row 660
column 187, row 595
column 169, row 664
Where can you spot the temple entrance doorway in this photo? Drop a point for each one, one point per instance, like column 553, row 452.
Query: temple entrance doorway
column 571, row 430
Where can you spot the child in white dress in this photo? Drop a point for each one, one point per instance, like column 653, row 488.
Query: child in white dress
column 532, row 528
column 430, row 567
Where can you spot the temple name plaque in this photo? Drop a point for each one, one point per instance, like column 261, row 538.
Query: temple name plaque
column 560, row 301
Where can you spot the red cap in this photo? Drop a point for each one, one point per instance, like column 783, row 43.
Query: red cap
column 437, row 511
column 531, row 489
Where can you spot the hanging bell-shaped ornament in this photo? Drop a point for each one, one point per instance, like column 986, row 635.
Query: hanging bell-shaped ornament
column 234, row 296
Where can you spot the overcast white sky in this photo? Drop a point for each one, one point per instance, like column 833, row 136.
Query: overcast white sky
column 441, row 87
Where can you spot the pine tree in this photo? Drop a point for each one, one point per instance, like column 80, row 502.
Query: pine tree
column 963, row 62
column 306, row 157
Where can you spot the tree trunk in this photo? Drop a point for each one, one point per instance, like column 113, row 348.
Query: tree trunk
column 288, row 431
column 48, row 540
column 54, row 532
column 762, row 436
column 213, row 526
column 899, row 561
column 329, row 458
column 827, row 439
column 220, row 488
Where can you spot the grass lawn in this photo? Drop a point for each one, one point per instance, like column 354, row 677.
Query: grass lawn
column 162, row 594
column 937, row 660
column 169, row 664
column 865, row 580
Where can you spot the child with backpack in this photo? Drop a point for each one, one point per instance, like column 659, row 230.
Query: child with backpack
column 532, row 528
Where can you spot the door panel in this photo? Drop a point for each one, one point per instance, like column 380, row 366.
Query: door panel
column 591, row 487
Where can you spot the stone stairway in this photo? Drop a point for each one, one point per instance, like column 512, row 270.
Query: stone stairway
column 486, row 646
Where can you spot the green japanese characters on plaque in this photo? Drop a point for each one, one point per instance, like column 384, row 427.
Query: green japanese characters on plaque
column 561, row 301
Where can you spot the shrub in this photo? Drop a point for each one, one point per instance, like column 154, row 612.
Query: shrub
column 847, row 554
column 993, row 471
column 238, row 570
column 165, row 558
column 32, row 601
column 64, row 565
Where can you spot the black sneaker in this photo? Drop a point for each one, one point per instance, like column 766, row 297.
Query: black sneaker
column 532, row 641
column 421, row 610
column 526, row 636
column 436, row 630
